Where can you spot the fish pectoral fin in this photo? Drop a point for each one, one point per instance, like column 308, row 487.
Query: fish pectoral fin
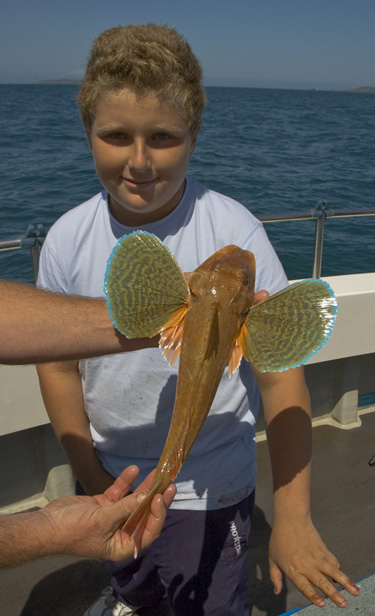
column 235, row 358
column 144, row 285
column 286, row 329
column 171, row 335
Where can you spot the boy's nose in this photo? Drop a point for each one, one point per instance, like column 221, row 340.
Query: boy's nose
column 139, row 159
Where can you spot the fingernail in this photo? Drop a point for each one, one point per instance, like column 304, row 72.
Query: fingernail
column 356, row 588
column 140, row 496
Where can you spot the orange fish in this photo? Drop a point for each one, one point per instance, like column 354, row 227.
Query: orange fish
column 211, row 322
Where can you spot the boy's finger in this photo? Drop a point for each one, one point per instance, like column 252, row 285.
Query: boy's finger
column 276, row 577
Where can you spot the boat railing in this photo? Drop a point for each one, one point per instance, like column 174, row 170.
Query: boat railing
column 35, row 234
column 32, row 239
column 320, row 213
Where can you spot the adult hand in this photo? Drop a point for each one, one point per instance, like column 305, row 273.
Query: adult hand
column 259, row 296
column 90, row 525
column 297, row 549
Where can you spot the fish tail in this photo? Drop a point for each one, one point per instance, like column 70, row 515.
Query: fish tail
column 136, row 523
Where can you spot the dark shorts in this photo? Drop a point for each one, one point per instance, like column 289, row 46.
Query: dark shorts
column 200, row 560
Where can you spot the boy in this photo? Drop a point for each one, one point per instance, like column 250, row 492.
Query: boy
column 141, row 103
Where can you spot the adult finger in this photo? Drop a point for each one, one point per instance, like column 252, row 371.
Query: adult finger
column 169, row 494
column 259, row 296
column 155, row 520
column 146, row 483
column 120, row 487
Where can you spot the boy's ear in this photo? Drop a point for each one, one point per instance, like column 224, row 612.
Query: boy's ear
column 194, row 139
column 89, row 139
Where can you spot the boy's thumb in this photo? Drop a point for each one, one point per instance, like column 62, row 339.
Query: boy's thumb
column 276, row 577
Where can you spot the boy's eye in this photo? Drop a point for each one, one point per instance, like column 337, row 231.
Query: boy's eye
column 161, row 136
column 118, row 135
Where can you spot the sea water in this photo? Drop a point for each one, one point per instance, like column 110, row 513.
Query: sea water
column 275, row 151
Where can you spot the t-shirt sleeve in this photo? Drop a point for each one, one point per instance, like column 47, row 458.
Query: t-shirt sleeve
column 269, row 273
column 50, row 275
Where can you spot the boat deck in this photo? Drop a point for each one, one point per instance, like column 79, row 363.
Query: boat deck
column 343, row 502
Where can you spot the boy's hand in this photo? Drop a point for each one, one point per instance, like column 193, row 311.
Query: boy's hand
column 295, row 545
column 297, row 549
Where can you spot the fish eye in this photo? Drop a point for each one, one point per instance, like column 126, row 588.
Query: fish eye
column 243, row 276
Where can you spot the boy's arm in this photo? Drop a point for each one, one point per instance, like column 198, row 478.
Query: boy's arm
column 295, row 545
column 61, row 388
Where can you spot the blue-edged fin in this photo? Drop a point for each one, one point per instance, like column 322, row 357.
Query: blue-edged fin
column 286, row 329
column 144, row 286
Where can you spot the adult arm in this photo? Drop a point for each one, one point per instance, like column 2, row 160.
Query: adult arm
column 295, row 545
column 82, row 525
column 38, row 326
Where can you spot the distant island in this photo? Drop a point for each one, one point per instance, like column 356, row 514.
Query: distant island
column 363, row 90
column 59, row 81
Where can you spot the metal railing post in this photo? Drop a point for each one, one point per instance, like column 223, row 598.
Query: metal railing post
column 33, row 239
column 320, row 212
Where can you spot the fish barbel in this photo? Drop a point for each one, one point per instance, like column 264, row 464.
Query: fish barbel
column 210, row 321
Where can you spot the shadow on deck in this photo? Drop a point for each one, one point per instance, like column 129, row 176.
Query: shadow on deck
column 343, row 502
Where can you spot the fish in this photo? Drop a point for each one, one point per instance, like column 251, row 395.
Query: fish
column 209, row 320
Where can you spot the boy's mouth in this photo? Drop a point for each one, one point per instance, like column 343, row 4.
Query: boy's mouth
column 139, row 183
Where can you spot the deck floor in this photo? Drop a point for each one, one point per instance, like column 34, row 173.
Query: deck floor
column 343, row 497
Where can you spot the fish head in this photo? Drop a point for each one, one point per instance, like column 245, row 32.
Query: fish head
column 228, row 276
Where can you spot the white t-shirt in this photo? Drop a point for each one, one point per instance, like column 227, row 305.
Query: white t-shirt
column 129, row 397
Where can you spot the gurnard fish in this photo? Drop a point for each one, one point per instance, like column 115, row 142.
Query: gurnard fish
column 209, row 319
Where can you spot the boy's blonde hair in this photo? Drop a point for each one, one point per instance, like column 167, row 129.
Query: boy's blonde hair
column 149, row 59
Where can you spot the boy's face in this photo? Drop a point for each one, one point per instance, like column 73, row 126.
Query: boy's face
column 141, row 149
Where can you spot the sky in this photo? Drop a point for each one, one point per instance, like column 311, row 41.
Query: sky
column 324, row 44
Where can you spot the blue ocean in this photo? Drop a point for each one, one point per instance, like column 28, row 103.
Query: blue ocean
column 275, row 151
